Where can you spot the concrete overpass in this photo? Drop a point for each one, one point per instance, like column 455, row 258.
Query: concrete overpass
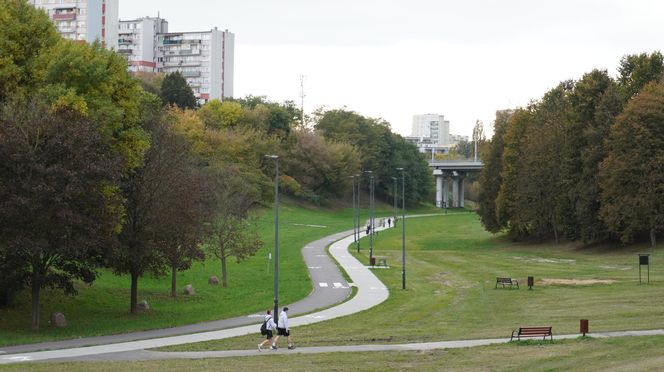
column 452, row 172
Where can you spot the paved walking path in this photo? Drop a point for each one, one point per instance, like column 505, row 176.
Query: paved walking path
column 371, row 292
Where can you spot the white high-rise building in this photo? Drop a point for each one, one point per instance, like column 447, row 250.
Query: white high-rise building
column 205, row 59
column 137, row 40
column 84, row 20
column 432, row 126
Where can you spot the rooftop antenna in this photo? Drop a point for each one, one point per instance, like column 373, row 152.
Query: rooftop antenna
column 302, row 95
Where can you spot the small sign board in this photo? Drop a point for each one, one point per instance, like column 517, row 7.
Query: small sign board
column 644, row 260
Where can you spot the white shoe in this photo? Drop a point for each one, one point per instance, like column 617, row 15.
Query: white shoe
column 260, row 347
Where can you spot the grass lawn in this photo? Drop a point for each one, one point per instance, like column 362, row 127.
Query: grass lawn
column 618, row 354
column 103, row 308
column 452, row 264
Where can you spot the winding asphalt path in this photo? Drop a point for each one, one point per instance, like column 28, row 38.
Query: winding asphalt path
column 322, row 269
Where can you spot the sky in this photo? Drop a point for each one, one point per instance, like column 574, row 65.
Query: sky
column 392, row 59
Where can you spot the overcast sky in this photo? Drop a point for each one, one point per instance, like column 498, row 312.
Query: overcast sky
column 391, row 59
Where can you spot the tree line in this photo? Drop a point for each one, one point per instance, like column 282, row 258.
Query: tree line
column 102, row 169
column 582, row 163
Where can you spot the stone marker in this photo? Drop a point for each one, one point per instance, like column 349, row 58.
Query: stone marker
column 213, row 280
column 143, row 306
column 189, row 290
column 58, row 320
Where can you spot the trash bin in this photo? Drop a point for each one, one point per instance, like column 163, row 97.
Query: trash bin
column 372, row 261
column 583, row 326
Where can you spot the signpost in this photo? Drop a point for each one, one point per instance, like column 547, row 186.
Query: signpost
column 644, row 260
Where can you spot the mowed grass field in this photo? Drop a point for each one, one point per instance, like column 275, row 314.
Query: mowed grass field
column 452, row 265
column 103, row 308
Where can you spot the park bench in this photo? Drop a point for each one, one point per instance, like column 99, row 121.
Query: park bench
column 506, row 281
column 381, row 260
column 532, row 332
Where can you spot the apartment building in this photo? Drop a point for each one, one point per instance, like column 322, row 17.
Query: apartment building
column 205, row 59
column 137, row 40
column 84, row 20
column 432, row 126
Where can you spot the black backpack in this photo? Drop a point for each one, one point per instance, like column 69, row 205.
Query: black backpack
column 264, row 328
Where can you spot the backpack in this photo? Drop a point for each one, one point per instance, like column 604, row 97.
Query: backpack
column 264, row 328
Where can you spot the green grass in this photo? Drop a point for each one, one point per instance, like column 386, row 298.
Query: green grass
column 619, row 354
column 452, row 264
column 102, row 308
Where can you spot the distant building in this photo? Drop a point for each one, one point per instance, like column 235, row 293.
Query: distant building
column 432, row 126
column 205, row 59
column 84, row 20
column 137, row 40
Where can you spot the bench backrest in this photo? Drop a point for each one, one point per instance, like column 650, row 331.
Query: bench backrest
column 535, row 331
column 504, row 280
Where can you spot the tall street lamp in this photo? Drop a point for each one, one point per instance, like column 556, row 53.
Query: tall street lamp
column 403, row 228
column 395, row 202
column 276, row 235
column 371, row 214
column 354, row 211
column 359, row 213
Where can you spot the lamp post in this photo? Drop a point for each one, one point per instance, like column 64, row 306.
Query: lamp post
column 354, row 211
column 371, row 214
column 359, row 213
column 403, row 228
column 276, row 233
column 394, row 218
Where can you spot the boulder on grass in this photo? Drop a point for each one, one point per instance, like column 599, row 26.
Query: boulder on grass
column 143, row 306
column 189, row 290
column 58, row 320
column 213, row 280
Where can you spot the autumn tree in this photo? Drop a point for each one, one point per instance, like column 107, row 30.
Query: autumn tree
column 490, row 178
column 631, row 175
column 59, row 207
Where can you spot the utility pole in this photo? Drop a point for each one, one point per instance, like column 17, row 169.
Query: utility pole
column 302, row 95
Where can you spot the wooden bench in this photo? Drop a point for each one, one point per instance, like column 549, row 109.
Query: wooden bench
column 381, row 260
column 507, row 281
column 532, row 332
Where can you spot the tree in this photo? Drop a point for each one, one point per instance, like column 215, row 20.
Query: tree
column 219, row 115
column 152, row 236
column 637, row 70
column 490, row 177
column 176, row 91
column 234, row 235
column 150, row 82
column 631, row 175
column 59, row 207
column 26, row 33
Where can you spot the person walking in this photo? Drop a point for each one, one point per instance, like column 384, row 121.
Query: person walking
column 283, row 330
column 269, row 327
column 389, row 222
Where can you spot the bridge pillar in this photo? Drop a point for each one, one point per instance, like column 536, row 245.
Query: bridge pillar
column 458, row 195
column 446, row 192
column 439, row 187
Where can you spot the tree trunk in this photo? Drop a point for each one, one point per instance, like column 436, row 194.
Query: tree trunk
column 653, row 238
column 134, row 293
column 224, row 283
column 173, row 281
column 35, row 302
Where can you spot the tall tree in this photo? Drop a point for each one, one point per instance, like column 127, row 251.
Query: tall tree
column 176, row 91
column 637, row 70
column 632, row 177
column 490, row 179
column 58, row 204
column 26, row 33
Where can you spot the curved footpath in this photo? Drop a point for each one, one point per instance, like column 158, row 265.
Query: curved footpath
column 322, row 269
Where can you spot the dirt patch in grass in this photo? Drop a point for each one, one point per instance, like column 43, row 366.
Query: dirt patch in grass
column 550, row 281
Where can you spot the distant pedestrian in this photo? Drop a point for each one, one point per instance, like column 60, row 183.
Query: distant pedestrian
column 266, row 330
column 283, row 330
column 389, row 222
column 368, row 228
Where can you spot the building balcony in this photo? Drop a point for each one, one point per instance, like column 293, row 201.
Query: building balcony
column 122, row 41
column 64, row 17
column 125, row 51
column 191, row 74
column 171, row 42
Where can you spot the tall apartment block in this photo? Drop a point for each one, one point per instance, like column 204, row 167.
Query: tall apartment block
column 84, row 20
column 432, row 126
column 137, row 40
column 205, row 59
